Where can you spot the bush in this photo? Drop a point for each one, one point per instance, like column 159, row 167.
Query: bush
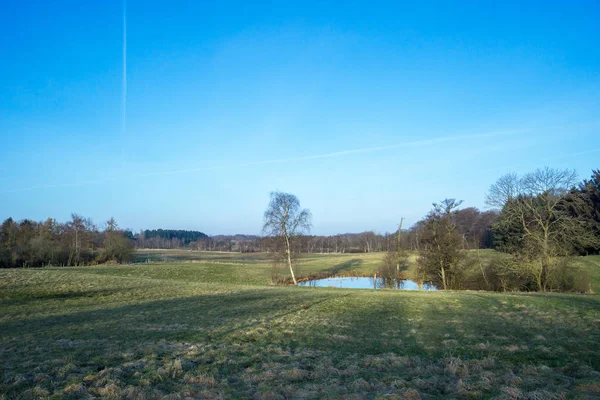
column 566, row 276
column 507, row 274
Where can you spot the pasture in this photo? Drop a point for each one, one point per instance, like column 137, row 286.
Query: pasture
column 210, row 325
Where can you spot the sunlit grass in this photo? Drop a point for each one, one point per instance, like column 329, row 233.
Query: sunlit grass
column 219, row 330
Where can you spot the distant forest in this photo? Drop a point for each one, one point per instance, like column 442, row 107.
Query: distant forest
column 475, row 227
column 79, row 241
column 167, row 238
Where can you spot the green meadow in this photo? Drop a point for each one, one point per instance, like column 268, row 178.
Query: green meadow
column 187, row 324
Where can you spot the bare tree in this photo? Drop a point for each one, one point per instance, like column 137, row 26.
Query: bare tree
column 111, row 225
column 79, row 229
column 535, row 203
column 368, row 238
column 505, row 189
column 401, row 256
column 116, row 247
column 285, row 219
column 395, row 263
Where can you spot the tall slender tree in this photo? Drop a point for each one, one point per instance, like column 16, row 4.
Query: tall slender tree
column 284, row 219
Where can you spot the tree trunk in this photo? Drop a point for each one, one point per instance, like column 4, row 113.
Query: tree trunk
column 545, row 262
column 443, row 272
column 289, row 257
column 399, row 247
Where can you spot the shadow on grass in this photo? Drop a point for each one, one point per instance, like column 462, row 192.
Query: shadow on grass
column 68, row 295
column 345, row 267
column 552, row 329
column 344, row 321
column 189, row 318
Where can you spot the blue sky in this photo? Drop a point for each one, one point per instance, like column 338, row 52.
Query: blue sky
column 368, row 112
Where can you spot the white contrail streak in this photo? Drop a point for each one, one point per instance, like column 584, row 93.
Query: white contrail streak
column 124, row 89
column 341, row 153
column 416, row 143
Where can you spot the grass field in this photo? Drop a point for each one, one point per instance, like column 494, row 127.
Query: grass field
column 209, row 325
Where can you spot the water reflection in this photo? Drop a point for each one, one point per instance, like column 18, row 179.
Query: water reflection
column 355, row 282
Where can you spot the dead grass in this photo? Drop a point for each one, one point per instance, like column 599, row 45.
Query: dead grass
column 148, row 333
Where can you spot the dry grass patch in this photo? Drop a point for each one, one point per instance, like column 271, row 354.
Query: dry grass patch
column 162, row 331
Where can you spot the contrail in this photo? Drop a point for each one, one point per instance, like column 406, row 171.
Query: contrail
column 124, row 89
column 341, row 153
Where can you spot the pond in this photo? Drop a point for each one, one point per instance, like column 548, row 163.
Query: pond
column 356, row 282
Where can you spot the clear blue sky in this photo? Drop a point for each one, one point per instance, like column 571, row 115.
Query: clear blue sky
column 227, row 101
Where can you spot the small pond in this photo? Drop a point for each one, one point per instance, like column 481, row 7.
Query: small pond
column 355, row 282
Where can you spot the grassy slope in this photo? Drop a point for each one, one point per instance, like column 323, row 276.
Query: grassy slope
column 591, row 265
column 215, row 329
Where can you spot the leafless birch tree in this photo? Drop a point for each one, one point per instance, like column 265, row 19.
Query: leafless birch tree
column 284, row 219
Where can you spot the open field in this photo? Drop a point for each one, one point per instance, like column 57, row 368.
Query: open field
column 211, row 326
column 252, row 268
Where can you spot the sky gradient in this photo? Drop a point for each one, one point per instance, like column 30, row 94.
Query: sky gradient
column 367, row 112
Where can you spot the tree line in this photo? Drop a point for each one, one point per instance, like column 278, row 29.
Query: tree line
column 539, row 221
column 50, row 243
column 474, row 226
column 167, row 238
column 543, row 219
